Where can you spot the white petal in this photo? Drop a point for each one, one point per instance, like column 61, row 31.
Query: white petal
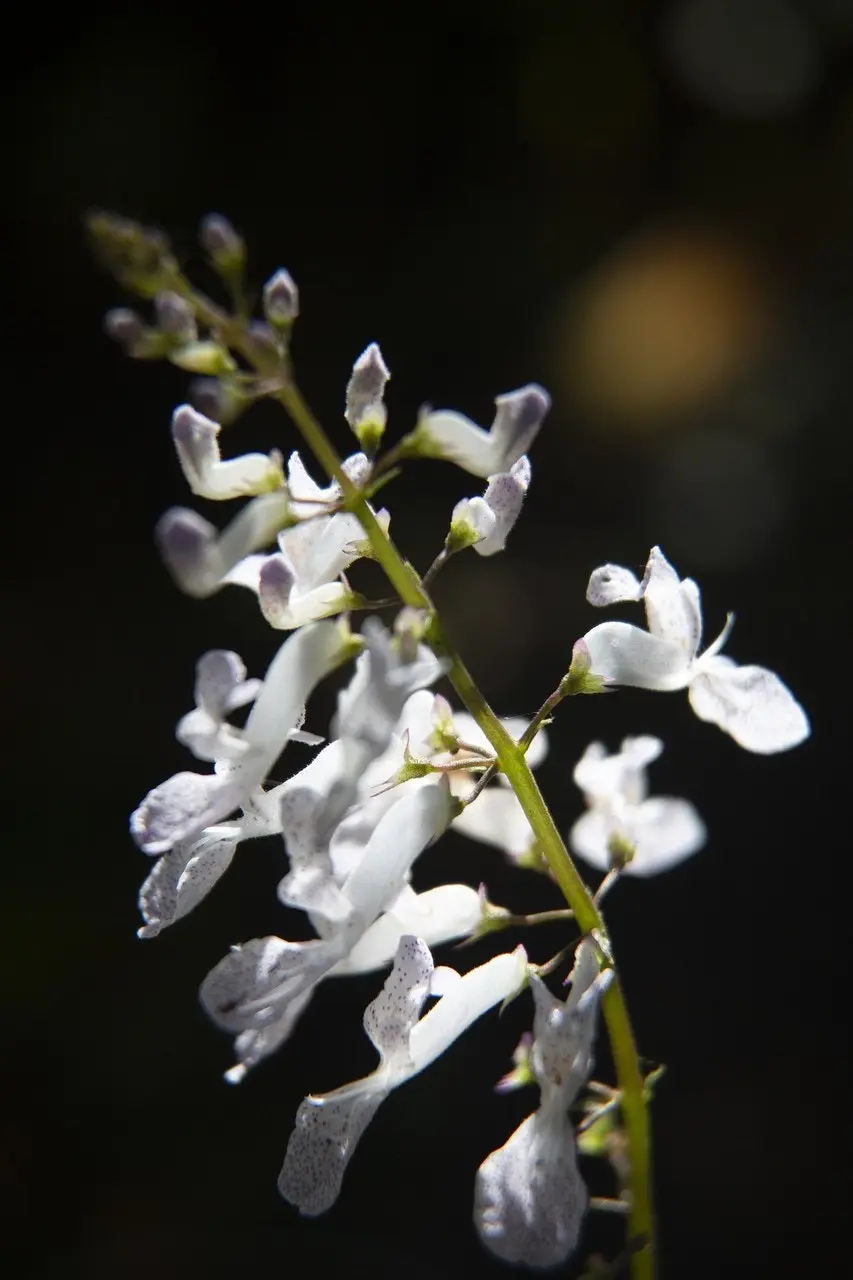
column 255, row 984
column 529, row 1197
column 627, row 655
column 256, row 1043
column 276, row 580
column 611, row 584
column 518, row 417
column 307, row 496
column 564, row 1031
column 496, row 818
column 300, row 664
column 640, row 751
column 479, row 989
column 388, row 1020
column 673, row 612
column 473, row 519
column 413, row 822
column 218, row 674
column 181, row 807
column 750, row 703
column 200, row 559
column 484, row 453
column 325, row 1135
column 664, row 831
column 504, row 497
column 589, row 838
column 197, row 444
column 439, row 915
column 185, row 875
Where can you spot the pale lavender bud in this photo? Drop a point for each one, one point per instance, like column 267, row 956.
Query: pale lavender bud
column 281, row 299
column 218, row 398
column 175, row 317
column 124, row 326
column 221, row 242
column 366, row 387
column 263, row 337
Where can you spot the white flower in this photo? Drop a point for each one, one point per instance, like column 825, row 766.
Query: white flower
column 185, row 875
column 444, row 433
column 220, row 688
column 300, row 582
column 252, row 989
column 750, row 703
column 496, row 818
column 181, row 808
column 529, row 1197
column 662, row 831
column 390, row 669
column 504, row 497
column 197, row 443
column 486, row 523
column 200, row 558
column 328, row 1127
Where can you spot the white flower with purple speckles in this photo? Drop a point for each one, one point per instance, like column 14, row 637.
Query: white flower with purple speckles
column 486, row 523
column 749, row 703
column 529, row 1198
column 252, row 990
column 181, row 808
column 328, row 1127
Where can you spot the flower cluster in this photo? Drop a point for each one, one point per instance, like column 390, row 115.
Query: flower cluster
column 398, row 766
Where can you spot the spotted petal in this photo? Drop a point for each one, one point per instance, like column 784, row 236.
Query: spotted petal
column 529, row 1196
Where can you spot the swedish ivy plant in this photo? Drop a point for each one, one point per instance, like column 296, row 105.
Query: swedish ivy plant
column 400, row 765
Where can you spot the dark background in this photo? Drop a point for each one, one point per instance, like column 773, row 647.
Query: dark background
column 648, row 208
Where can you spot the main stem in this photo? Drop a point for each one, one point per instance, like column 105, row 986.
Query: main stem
column 514, row 765
column 511, row 759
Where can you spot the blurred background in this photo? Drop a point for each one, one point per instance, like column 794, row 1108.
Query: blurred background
column 646, row 207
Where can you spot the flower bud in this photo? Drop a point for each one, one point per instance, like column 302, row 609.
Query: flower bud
column 221, row 399
column 175, row 317
column 124, row 326
column 365, row 411
column 139, row 257
column 225, row 248
column 203, row 357
column 281, row 300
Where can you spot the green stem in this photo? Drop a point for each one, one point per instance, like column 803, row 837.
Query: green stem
column 510, row 756
column 514, row 765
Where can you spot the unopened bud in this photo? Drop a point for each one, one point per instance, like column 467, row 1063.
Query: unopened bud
column 124, row 326
column 281, row 300
column 203, row 357
column 139, row 257
column 175, row 317
column 365, row 411
column 222, row 244
column 218, row 398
